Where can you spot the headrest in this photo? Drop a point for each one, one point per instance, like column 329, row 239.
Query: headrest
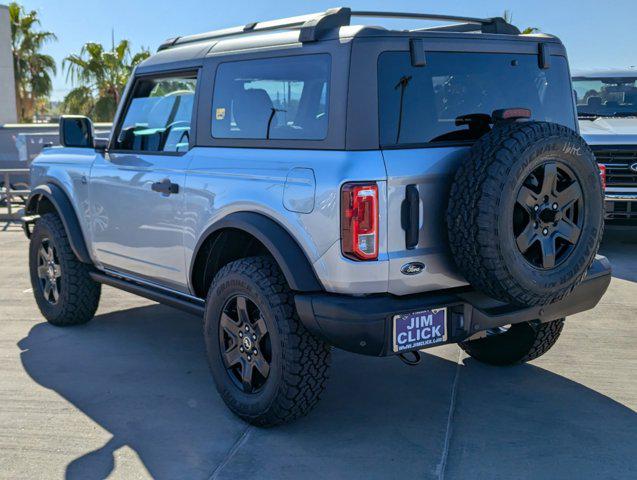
column 594, row 101
column 252, row 109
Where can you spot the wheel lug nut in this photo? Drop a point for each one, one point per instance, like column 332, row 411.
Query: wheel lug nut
column 536, row 208
column 545, row 231
column 554, row 206
column 247, row 328
column 241, row 334
column 255, row 351
column 536, row 225
column 249, row 358
column 254, row 337
column 241, row 349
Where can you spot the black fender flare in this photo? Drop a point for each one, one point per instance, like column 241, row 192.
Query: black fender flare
column 67, row 214
column 294, row 264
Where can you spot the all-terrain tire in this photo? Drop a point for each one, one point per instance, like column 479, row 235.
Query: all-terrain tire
column 521, row 343
column 78, row 294
column 482, row 205
column 299, row 361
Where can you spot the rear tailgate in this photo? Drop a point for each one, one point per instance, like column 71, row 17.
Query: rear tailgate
column 430, row 114
column 431, row 172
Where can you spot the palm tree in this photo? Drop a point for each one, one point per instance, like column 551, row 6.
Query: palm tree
column 33, row 69
column 508, row 17
column 100, row 76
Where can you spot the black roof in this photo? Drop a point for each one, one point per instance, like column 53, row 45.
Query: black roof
column 313, row 26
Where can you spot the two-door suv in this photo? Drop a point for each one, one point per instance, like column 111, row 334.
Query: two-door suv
column 306, row 183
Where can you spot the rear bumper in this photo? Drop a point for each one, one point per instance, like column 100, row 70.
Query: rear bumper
column 364, row 324
column 620, row 206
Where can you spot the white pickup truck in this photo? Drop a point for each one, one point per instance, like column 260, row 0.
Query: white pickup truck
column 607, row 111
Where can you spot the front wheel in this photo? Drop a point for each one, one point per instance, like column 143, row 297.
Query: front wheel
column 519, row 343
column 267, row 367
column 62, row 286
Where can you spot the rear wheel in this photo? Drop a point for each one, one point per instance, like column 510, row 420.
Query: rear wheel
column 267, row 367
column 518, row 343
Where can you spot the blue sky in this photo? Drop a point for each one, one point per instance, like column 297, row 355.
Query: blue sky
column 596, row 34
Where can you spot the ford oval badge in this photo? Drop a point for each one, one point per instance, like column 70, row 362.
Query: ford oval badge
column 412, row 268
column 633, row 167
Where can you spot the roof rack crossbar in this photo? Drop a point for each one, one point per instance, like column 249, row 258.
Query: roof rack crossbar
column 313, row 26
column 487, row 25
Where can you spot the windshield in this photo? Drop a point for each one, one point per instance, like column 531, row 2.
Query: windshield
column 606, row 97
column 452, row 98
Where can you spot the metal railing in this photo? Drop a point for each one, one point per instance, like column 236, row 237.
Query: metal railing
column 9, row 194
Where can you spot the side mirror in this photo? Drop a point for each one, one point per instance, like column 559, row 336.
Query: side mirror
column 76, row 131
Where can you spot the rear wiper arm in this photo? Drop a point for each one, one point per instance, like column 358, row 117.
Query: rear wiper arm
column 402, row 84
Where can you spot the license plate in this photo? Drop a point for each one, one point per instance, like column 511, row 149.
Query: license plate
column 420, row 329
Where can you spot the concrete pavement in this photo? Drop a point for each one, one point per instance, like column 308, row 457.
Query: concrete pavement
column 129, row 396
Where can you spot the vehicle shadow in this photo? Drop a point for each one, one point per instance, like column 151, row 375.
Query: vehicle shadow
column 619, row 246
column 141, row 375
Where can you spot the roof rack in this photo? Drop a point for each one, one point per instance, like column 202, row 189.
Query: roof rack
column 313, row 26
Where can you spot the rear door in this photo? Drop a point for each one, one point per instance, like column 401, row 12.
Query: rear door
column 424, row 140
column 137, row 188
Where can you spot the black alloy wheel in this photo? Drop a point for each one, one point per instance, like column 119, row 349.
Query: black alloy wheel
column 49, row 272
column 548, row 215
column 245, row 344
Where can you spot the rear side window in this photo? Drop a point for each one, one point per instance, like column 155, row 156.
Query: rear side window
column 158, row 115
column 277, row 98
column 421, row 104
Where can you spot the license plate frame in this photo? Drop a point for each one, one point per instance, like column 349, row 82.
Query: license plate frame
column 416, row 329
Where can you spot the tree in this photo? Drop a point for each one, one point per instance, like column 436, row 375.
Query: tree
column 32, row 69
column 508, row 16
column 100, row 76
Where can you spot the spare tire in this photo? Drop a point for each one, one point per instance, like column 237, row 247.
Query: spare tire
column 525, row 214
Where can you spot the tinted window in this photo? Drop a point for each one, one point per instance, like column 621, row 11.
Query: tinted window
column 158, row 116
column 277, row 98
column 606, row 97
column 456, row 84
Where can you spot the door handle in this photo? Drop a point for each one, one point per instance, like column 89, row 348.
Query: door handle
column 410, row 216
column 165, row 187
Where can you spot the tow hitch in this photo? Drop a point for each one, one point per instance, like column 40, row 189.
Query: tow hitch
column 410, row 358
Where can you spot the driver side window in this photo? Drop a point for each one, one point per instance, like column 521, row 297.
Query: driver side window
column 158, row 116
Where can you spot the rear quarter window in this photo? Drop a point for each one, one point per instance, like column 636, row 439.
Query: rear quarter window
column 457, row 84
column 277, row 98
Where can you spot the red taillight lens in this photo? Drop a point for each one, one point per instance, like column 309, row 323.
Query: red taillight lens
column 359, row 221
column 602, row 174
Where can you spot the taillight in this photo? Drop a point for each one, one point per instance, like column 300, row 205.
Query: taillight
column 602, row 174
column 359, row 221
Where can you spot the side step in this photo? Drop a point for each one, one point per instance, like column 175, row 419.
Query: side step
column 194, row 306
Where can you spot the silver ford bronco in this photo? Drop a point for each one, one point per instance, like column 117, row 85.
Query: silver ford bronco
column 306, row 183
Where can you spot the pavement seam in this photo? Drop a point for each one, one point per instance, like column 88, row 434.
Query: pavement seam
column 237, row 445
column 442, row 465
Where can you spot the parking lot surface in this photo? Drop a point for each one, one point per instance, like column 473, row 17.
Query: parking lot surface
column 129, row 396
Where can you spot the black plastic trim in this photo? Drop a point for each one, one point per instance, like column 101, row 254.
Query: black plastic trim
column 286, row 251
column 67, row 214
column 544, row 56
column 410, row 214
column 172, row 299
column 364, row 324
column 417, row 52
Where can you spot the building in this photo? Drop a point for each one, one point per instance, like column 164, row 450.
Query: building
column 7, row 82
